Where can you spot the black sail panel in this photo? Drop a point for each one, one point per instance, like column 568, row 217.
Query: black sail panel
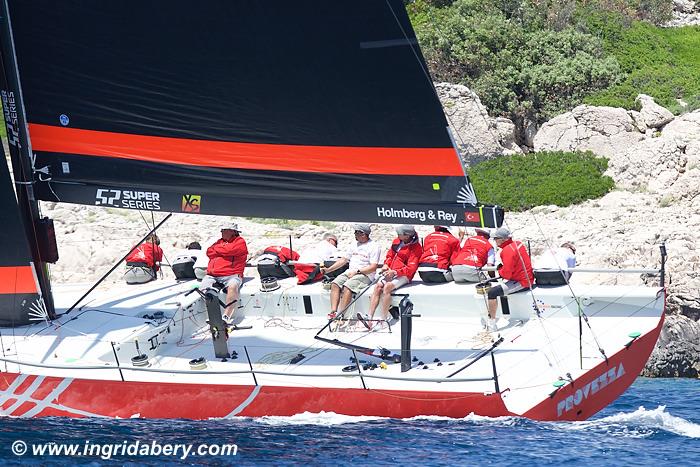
column 300, row 105
column 25, row 291
column 19, row 291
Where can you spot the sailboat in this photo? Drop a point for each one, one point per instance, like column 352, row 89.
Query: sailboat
column 264, row 108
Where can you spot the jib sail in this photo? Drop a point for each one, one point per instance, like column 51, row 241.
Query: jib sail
column 20, row 294
column 26, row 240
column 305, row 109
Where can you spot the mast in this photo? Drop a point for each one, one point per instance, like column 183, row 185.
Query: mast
column 38, row 233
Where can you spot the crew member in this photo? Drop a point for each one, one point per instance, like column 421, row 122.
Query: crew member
column 363, row 259
column 438, row 248
column 399, row 267
column 474, row 254
column 516, row 272
column 227, row 258
column 144, row 261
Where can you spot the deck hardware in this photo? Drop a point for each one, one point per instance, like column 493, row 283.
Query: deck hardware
column 198, row 363
column 558, row 384
column 140, row 359
column 357, row 367
column 250, row 364
column 116, row 359
column 634, row 335
column 299, row 357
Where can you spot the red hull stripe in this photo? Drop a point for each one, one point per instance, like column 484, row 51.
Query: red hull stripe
column 164, row 400
column 17, row 279
column 252, row 156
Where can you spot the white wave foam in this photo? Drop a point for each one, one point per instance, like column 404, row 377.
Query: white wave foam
column 319, row 419
column 332, row 418
column 500, row 421
column 641, row 423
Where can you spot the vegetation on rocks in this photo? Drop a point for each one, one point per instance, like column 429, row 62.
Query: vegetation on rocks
column 519, row 66
column 663, row 63
column 529, row 60
column 520, row 182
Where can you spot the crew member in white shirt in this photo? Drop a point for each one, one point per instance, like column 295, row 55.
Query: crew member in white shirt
column 557, row 259
column 363, row 259
column 325, row 250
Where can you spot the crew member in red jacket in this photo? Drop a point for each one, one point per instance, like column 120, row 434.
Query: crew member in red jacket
column 227, row 258
column 399, row 268
column 516, row 270
column 144, row 261
column 438, row 248
column 468, row 260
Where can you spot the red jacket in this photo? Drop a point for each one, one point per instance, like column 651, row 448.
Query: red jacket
column 474, row 252
column 148, row 253
column 283, row 253
column 405, row 260
column 227, row 258
column 516, row 263
column 438, row 248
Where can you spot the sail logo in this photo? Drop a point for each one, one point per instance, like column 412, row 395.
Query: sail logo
column 582, row 394
column 107, row 197
column 11, row 122
column 402, row 214
column 191, row 203
column 129, row 199
column 467, row 195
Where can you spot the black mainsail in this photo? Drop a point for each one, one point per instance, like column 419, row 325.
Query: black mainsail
column 266, row 108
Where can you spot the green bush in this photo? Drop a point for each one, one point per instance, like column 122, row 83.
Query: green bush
column 533, row 59
column 653, row 11
column 504, row 52
column 521, row 182
column 663, row 63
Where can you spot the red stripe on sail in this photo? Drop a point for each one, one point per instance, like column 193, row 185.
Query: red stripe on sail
column 254, row 156
column 17, row 279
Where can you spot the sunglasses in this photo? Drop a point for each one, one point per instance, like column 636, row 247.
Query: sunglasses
column 360, row 232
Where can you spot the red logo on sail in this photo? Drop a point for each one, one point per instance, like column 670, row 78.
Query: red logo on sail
column 472, row 217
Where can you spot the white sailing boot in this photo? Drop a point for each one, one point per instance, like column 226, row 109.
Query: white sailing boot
column 491, row 325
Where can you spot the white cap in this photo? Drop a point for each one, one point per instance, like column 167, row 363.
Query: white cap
column 233, row 226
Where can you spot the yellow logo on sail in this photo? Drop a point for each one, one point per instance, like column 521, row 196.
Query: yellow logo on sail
column 191, row 203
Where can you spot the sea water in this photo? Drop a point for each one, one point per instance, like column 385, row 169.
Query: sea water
column 656, row 422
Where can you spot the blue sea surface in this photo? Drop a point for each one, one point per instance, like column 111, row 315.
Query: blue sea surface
column 656, row 422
